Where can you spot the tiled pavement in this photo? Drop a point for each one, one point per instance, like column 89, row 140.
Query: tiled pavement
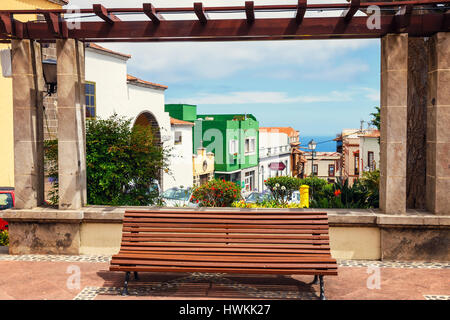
column 54, row 277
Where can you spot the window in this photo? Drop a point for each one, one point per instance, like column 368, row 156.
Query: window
column 370, row 161
column 250, row 145
column 178, row 137
column 356, row 164
column 90, row 99
column 331, row 170
column 233, row 147
column 315, row 169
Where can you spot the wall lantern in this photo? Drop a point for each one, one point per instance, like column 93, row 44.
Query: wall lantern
column 49, row 70
column 312, row 145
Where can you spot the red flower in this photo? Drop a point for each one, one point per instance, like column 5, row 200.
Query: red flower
column 337, row 192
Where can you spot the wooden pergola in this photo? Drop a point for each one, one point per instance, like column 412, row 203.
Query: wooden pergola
column 414, row 97
column 420, row 18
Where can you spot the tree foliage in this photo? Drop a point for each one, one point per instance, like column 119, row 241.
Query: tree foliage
column 122, row 162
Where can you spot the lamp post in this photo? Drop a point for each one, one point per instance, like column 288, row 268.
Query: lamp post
column 312, row 146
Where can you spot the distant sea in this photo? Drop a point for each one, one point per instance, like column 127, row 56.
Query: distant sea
column 323, row 142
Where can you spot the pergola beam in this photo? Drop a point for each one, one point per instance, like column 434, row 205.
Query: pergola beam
column 102, row 13
column 6, row 23
column 301, row 10
column 150, row 11
column 52, row 22
column 403, row 16
column 200, row 12
column 350, row 12
column 239, row 29
column 250, row 11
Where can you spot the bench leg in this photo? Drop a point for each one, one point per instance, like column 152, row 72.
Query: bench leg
column 316, row 279
column 322, row 290
column 125, row 287
column 136, row 277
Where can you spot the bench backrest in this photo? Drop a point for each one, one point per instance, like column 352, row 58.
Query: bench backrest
column 226, row 232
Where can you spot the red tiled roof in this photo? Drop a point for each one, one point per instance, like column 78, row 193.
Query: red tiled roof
column 97, row 47
column 288, row 130
column 132, row 79
column 174, row 121
column 372, row 134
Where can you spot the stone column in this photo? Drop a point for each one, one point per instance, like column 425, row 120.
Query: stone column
column 438, row 124
column 71, row 124
column 393, row 114
column 417, row 123
column 28, row 85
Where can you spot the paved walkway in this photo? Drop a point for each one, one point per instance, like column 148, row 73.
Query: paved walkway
column 87, row 278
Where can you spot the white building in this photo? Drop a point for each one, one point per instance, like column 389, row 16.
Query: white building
column 274, row 155
column 110, row 89
column 369, row 151
column 324, row 165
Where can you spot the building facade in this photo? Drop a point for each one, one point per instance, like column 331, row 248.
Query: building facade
column 274, row 155
column 203, row 166
column 323, row 165
column 232, row 138
column 6, row 89
column 360, row 151
column 143, row 102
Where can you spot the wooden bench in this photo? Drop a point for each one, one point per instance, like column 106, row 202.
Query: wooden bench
column 246, row 242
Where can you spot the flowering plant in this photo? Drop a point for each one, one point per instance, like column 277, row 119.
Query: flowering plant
column 282, row 188
column 216, row 193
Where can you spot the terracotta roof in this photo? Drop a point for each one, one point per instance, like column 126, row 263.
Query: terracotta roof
column 174, row 121
column 97, row 47
column 132, row 79
column 372, row 134
column 288, row 130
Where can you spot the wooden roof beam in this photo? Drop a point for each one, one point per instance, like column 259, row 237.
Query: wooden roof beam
column 250, row 11
column 403, row 16
column 350, row 12
column 52, row 22
column 103, row 13
column 150, row 11
column 200, row 12
column 6, row 23
column 301, row 10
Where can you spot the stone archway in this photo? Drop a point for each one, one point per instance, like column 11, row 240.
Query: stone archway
column 146, row 118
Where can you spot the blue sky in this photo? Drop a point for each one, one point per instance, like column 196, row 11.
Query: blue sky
column 317, row 87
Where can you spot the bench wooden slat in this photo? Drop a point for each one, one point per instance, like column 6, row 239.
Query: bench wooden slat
column 220, row 264
column 226, row 270
column 238, row 255
column 224, row 230
column 273, row 222
column 197, row 213
column 222, row 236
column 224, row 258
column 221, row 240
column 309, row 226
column 227, row 249
column 254, row 217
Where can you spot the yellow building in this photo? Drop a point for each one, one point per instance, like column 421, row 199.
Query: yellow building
column 203, row 163
column 6, row 102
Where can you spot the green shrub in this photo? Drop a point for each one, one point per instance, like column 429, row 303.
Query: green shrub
column 121, row 163
column 216, row 193
column 282, row 188
column 4, row 238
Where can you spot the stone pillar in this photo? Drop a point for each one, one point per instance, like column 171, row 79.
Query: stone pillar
column 71, row 124
column 417, row 123
column 393, row 114
column 28, row 85
column 438, row 120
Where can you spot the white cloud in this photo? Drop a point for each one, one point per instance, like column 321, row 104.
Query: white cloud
column 182, row 61
column 259, row 97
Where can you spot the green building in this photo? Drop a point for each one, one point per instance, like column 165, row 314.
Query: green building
column 233, row 138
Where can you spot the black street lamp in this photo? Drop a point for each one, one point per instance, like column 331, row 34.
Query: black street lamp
column 312, row 146
column 50, row 77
